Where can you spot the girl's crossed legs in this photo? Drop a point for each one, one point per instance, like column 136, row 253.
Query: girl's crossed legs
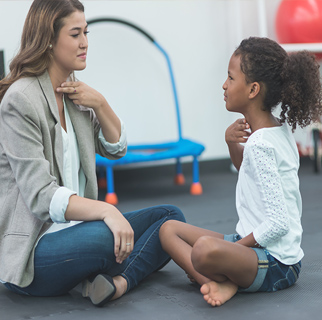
column 219, row 266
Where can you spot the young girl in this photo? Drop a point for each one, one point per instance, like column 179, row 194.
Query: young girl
column 265, row 254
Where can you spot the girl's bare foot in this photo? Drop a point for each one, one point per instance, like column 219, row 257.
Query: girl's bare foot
column 121, row 287
column 217, row 293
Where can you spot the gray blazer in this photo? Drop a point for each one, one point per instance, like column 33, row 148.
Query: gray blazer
column 31, row 164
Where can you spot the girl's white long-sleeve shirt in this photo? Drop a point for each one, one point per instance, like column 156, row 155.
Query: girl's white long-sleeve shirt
column 268, row 198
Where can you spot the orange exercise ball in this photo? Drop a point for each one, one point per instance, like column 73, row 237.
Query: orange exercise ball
column 299, row 21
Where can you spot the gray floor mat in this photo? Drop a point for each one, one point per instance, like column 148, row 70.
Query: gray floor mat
column 168, row 294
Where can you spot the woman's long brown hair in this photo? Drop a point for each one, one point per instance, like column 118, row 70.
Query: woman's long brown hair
column 42, row 26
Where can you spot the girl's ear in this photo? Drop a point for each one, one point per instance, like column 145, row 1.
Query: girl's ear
column 254, row 90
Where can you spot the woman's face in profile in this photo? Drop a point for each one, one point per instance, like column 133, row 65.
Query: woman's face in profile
column 70, row 50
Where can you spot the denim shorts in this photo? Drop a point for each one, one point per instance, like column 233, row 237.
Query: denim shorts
column 272, row 275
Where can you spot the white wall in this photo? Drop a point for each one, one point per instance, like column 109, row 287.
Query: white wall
column 199, row 36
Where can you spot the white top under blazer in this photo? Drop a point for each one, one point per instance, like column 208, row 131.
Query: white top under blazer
column 73, row 173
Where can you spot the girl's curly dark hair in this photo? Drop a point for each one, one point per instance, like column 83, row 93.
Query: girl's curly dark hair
column 292, row 80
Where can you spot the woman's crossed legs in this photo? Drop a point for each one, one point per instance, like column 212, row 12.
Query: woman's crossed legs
column 65, row 258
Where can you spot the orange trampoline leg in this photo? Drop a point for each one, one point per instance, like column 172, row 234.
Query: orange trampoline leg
column 179, row 179
column 196, row 188
column 111, row 198
column 102, row 184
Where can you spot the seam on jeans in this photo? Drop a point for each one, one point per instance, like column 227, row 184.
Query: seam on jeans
column 143, row 212
column 16, row 289
column 262, row 264
column 294, row 272
column 139, row 253
column 127, row 280
column 66, row 261
column 147, row 240
column 262, row 268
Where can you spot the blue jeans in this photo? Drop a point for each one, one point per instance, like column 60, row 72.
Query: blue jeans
column 65, row 258
column 272, row 275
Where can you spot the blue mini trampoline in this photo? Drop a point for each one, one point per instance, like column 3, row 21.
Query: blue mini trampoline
column 153, row 152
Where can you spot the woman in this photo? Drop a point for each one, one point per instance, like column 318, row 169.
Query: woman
column 51, row 126
column 265, row 252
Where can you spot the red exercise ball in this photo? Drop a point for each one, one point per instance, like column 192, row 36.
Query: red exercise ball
column 299, row 21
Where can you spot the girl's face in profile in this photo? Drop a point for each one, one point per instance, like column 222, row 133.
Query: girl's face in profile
column 236, row 88
column 69, row 52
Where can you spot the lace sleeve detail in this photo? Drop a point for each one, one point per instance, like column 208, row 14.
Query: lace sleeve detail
column 276, row 221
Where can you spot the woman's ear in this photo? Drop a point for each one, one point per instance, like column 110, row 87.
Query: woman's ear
column 254, row 90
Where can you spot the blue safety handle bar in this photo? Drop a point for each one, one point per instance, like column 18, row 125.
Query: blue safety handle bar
column 129, row 24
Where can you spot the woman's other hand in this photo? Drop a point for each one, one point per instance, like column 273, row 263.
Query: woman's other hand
column 82, row 94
